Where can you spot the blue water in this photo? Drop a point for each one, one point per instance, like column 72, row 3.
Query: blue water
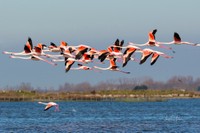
column 177, row 115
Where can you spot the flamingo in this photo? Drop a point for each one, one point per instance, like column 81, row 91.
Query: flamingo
column 33, row 57
column 177, row 40
column 116, row 47
column 146, row 53
column 86, row 58
column 68, row 63
column 54, row 48
column 130, row 49
column 27, row 49
column 49, row 105
column 156, row 55
column 38, row 50
column 152, row 41
column 109, row 54
column 82, row 67
column 81, row 49
column 112, row 67
column 67, row 52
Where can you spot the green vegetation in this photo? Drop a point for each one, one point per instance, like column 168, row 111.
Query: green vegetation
column 145, row 89
column 114, row 95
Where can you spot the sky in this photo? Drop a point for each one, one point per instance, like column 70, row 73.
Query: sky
column 97, row 24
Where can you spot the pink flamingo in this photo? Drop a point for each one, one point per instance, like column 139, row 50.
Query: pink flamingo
column 27, row 49
column 177, row 40
column 152, row 41
column 112, row 67
column 49, row 105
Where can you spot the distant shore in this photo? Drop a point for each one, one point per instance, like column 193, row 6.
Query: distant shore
column 105, row 95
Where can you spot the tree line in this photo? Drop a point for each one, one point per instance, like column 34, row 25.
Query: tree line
column 175, row 82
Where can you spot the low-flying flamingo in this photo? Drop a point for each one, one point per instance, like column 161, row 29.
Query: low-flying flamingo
column 49, row 105
column 112, row 67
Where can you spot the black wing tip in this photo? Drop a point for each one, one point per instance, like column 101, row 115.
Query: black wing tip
column 79, row 64
column 154, row 31
column 53, row 44
column 176, row 34
column 152, row 63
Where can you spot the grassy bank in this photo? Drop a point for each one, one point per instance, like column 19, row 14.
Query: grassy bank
column 104, row 95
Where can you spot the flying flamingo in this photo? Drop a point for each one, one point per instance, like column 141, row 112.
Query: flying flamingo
column 146, row 53
column 156, row 55
column 68, row 63
column 54, row 48
column 177, row 40
column 112, row 67
column 109, row 54
column 86, row 58
column 130, row 49
column 27, row 49
column 34, row 55
column 81, row 49
column 116, row 47
column 49, row 105
column 152, row 41
column 64, row 52
column 82, row 67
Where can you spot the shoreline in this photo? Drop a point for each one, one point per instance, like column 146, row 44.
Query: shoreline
column 93, row 98
column 104, row 95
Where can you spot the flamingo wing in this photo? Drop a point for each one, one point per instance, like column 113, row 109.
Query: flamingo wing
column 68, row 64
column 53, row 45
column 39, row 58
column 144, row 58
column 154, row 58
column 27, row 49
column 177, row 38
column 80, row 53
column 103, row 56
column 29, row 43
column 48, row 107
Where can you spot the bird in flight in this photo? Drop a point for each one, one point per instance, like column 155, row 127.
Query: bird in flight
column 50, row 105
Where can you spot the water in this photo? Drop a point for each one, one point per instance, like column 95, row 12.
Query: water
column 177, row 115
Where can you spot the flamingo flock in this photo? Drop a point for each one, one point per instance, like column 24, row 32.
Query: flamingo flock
column 82, row 55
